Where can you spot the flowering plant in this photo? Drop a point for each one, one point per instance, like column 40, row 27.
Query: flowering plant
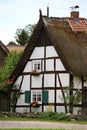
column 35, row 72
column 35, row 104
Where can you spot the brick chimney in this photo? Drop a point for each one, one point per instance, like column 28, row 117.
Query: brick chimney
column 75, row 14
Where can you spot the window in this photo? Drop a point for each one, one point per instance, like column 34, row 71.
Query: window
column 36, row 96
column 37, row 65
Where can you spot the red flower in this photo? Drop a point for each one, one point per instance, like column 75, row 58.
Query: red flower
column 10, row 81
column 35, row 104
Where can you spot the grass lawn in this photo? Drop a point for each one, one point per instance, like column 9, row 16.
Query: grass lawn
column 32, row 129
column 34, row 119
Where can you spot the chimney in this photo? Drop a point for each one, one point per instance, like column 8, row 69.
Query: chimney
column 75, row 14
column 47, row 12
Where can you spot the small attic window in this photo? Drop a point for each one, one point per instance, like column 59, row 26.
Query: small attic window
column 37, row 65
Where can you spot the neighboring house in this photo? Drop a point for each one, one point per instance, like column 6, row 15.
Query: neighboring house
column 15, row 48
column 3, row 53
column 55, row 57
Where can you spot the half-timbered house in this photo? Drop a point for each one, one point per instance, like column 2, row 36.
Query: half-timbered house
column 54, row 59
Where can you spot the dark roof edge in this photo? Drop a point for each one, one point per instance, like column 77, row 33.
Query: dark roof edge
column 4, row 47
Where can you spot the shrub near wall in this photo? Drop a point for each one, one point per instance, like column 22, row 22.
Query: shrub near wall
column 53, row 116
column 40, row 116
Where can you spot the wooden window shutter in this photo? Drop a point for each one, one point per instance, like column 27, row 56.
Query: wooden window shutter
column 27, row 96
column 44, row 97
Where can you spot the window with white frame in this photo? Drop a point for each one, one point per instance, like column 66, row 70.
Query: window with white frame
column 36, row 96
column 37, row 65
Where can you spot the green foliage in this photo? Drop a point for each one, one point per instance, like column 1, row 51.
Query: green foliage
column 23, row 35
column 29, row 28
column 12, row 43
column 9, row 64
column 53, row 116
column 73, row 97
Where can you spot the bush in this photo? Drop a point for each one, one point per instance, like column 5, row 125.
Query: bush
column 53, row 116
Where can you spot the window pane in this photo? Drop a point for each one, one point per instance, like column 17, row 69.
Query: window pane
column 38, row 97
column 36, row 65
column 34, row 96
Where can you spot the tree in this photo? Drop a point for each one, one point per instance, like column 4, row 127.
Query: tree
column 23, row 35
column 5, row 86
column 10, row 63
column 29, row 28
column 73, row 98
column 12, row 43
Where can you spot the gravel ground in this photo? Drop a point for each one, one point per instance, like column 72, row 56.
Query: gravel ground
column 37, row 124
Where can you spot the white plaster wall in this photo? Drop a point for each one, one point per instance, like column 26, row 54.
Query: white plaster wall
column 21, row 100
column 59, row 97
column 51, row 96
column 18, row 81
column 77, row 82
column 59, row 65
column 51, row 52
column 37, row 81
column 38, row 53
column 48, row 108
column 64, row 78
column 25, row 83
column 61, row 109
column 28, row 67
column 49, row 65
column 49, row 80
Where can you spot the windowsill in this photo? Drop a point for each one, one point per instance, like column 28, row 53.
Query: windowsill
column 36, row 73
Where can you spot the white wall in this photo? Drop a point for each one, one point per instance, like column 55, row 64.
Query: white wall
column 51, row 52
column 51, row 96
column 64, row 78
column 25, row 83
column 49, row 65
column 37, row 81
column 59, row 65
column 49, row 80
column 28, row 67
column 38, row 53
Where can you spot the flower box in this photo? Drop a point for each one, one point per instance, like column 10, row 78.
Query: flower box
column 35, row 72
column 34, row 104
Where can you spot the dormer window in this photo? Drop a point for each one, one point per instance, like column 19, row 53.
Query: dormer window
column 37, row 65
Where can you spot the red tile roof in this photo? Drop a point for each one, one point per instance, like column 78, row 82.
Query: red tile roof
column 78, row 24
column 15, row 47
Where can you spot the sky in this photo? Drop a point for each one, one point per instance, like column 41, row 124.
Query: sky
column 15, row 14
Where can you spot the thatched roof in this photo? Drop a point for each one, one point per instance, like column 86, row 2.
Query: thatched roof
column 71, row 45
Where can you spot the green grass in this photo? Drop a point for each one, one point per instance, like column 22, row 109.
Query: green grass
column 35, row 119
column 33, row 129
